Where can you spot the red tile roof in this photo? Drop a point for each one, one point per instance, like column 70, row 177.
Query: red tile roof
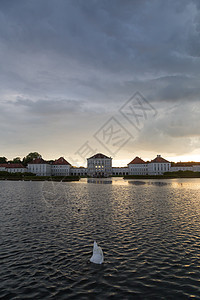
column 99, row 155
column 60, row 161
column 38, row 161
column 182, row 165
column 3, row 165
column 137, row 160
column 13, row 165
column 159, row 159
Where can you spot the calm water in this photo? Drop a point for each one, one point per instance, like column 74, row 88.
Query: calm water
column 149, row 232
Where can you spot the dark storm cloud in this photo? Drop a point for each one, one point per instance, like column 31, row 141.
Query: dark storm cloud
column 117, row 36
column 49, row 107
column 98, row 53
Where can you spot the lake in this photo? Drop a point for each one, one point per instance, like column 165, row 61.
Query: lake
column 149, row 231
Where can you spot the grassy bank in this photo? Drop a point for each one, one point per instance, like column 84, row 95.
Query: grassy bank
column 167, row 175
column 31, row 177
column 147, row 177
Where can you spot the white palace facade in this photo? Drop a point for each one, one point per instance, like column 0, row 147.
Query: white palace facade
column 13, row 168
column 157, row 166
column 99, row 165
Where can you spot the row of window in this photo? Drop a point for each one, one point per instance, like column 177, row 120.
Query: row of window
column 120, row 173
column 60, row 167
column 59, row 172
column 99, row 163
column 161, row 167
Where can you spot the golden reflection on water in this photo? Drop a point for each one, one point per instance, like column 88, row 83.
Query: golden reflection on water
column 191, row 183
column 148, row 229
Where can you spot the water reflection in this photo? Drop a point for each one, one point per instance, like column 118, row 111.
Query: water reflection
column 99, row 181
column 192, row 183
column 149, row 233
column 111, row 180
column 136, row 182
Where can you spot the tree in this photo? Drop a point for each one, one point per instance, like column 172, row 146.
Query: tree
column 30, row 157
column 3, row 160
column 16, row 160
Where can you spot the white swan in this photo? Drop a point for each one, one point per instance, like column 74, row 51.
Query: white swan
column 97, row 256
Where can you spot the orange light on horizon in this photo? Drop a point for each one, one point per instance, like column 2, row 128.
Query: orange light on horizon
column 184, row 158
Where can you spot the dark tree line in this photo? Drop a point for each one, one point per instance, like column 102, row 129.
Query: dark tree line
column 23, row 161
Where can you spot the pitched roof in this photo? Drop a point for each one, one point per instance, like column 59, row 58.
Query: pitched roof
column 137, row 160
column 60, row 161
column 182, row 165
column 13, row 165
column 159, row 159
column 99, row 155
column 3, row 165
column 38, row 161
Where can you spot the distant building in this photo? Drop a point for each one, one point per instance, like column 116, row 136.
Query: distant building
column 120, row 171
column 137, row 167
column 39, row 167
column 13, row 168
column 181, row 167
column 158, row 166
column 81, row 171
column 196, row 168
column 99, row 165
column 3, row 167
column 60, row 167
column 185, row 166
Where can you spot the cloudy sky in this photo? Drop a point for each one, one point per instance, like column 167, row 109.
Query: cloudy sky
column 114, row 76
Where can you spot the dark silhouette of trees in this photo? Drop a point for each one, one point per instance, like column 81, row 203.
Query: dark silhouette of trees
column 30, row 157
column 3, row 160
column 16, row 160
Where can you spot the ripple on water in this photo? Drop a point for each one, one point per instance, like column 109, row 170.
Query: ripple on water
column 149, row 234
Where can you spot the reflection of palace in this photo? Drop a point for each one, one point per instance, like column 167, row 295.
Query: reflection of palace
column 100, row 165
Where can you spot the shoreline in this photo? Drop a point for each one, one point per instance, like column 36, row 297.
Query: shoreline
column 41, row 178
column 158, row 177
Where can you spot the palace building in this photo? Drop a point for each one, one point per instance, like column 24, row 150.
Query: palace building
column 60, row 167
column 99, row 165
column 157, row 166
column 40, row 167
column 138, row 167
